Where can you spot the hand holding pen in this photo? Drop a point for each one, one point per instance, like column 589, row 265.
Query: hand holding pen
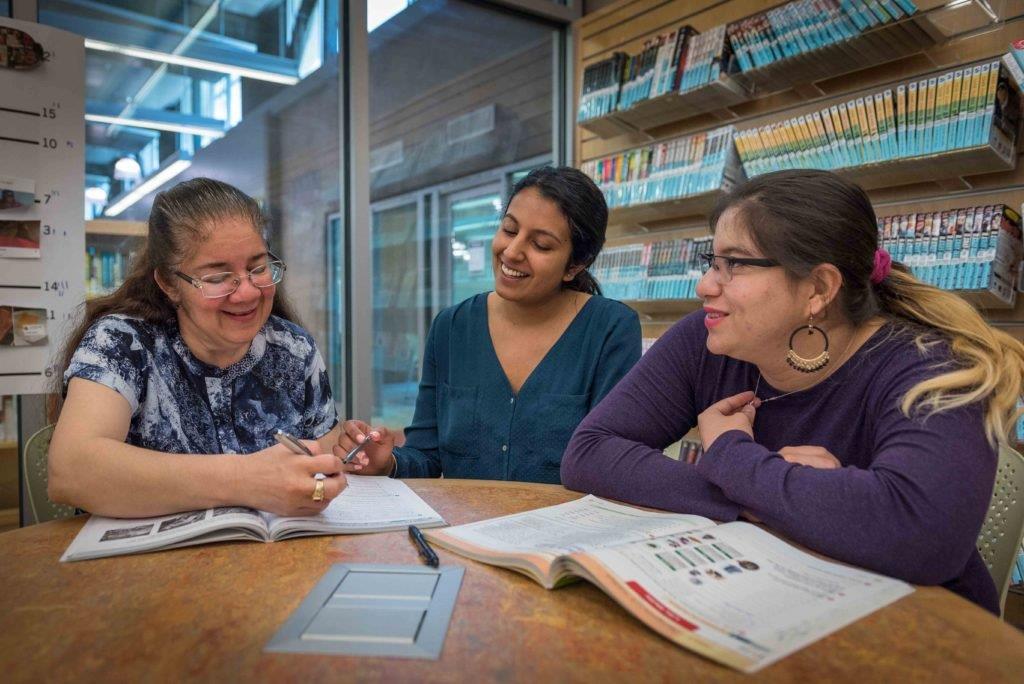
column 325, row 479
column 373, row 444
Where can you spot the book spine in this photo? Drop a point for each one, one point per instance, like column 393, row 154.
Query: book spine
column 978, row 85
column 929, row 122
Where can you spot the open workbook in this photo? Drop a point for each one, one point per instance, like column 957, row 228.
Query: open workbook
column 733, row 592
column 367, row 504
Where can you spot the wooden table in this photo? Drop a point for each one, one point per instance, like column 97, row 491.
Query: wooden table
column 205, row 613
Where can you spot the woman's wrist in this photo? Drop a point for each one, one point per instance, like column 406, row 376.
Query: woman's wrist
column 393, row 470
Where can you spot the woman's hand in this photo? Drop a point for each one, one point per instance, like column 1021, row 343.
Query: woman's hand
column 376, row 458
column 732, row 413
column 278, row 481
column 814, row 456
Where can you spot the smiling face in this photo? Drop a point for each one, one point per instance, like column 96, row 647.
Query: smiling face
column 751, row 317
column 219, row 331
column 531, row 250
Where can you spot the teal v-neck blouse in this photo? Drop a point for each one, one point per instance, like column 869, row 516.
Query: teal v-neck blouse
column 469, row 424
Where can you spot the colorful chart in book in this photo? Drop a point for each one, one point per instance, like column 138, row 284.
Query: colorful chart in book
column 42, row 185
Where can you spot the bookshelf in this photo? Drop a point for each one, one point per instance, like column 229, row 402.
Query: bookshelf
column 885, row 43
column 934, row 23
column 716, row 97
column 634, row 218
column 948, row 170
column 941, row 37
column 109, row 247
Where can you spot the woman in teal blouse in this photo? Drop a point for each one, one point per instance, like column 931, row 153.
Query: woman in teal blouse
column 509, row 374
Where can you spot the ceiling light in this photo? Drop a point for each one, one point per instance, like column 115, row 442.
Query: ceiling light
column 189, row 129
column 162, row 176
column 182, row 60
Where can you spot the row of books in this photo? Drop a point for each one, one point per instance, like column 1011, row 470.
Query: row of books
column 956, row 110
column 104, row 270
column 655, row 70
column 970, row 248
column 681, row 167
column 807, row 25
column 599, row 92
column 685, row 59
column 663, row 269
column 674, row 62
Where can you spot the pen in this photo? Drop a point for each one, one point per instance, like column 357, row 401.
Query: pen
column 351, row 456
column 296, row 446
column 426, row 553
column 292, row 443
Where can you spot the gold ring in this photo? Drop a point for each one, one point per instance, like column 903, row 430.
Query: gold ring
column 318, row 491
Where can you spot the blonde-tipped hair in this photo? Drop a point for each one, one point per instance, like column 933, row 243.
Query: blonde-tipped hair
column 990, row 363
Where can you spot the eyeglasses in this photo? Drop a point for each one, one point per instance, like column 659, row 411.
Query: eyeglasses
column 725, row 266
column 219, row 285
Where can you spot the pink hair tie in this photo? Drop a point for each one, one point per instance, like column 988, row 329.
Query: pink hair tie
column 883, row 266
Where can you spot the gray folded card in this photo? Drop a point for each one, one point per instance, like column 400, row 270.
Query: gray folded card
column 374, row 610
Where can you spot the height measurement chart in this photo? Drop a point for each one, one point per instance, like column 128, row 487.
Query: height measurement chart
column 42, row 187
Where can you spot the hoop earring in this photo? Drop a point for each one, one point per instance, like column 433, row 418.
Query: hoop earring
column 808, row 365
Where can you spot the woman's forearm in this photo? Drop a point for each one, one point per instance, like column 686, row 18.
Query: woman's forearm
column 111, row 478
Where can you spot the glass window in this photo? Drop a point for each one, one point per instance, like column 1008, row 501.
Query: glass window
column 5, row 8
column 447, row 128
column 471, row 217
column 398, row 325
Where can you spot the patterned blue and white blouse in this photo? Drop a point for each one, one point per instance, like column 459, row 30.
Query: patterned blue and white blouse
column 182, row 405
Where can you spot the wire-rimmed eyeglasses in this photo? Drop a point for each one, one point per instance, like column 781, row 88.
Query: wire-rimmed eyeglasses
column 723, row 266
column 217, row 285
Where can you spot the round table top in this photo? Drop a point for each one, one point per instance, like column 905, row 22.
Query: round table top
column 206, row 612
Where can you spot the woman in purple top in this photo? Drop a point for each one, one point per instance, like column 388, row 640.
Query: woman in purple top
column 841, row 401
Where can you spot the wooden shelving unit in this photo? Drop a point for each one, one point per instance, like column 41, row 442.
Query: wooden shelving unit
column 660, row 309
column 671, row 107
column 633, row 218
column 931, row 26
column 875, row 46
column 116, row 228
column 952, row 166
column 948, row 169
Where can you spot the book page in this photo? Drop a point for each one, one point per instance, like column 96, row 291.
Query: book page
column 102, row 536
column 586, row 523
column 741, row 591
column 367, row 504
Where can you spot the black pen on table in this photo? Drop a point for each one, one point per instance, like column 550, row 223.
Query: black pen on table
column 426, row 553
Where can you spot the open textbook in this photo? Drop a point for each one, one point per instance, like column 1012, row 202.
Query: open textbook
column 367, row 504
column 733, row 592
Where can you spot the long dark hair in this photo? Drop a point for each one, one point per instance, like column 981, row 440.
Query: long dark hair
column 584, row 208
column 804, row 218
column 181, row 217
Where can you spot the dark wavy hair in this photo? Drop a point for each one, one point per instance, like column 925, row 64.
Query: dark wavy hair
column 180, row 219
column 583, row 206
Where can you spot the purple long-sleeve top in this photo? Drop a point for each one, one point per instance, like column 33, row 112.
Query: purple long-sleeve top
column 908, row 501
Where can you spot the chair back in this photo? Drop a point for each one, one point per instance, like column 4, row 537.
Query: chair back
column 34, row 466
column 1000, row 539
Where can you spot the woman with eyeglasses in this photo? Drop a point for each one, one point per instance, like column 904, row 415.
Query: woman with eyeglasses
column 841, row 401
column 196, row 353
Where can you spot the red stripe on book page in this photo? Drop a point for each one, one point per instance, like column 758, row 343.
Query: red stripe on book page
column 660, row 607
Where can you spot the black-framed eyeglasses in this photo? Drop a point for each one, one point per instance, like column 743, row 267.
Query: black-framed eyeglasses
column 217, row 285
column 724, row 266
